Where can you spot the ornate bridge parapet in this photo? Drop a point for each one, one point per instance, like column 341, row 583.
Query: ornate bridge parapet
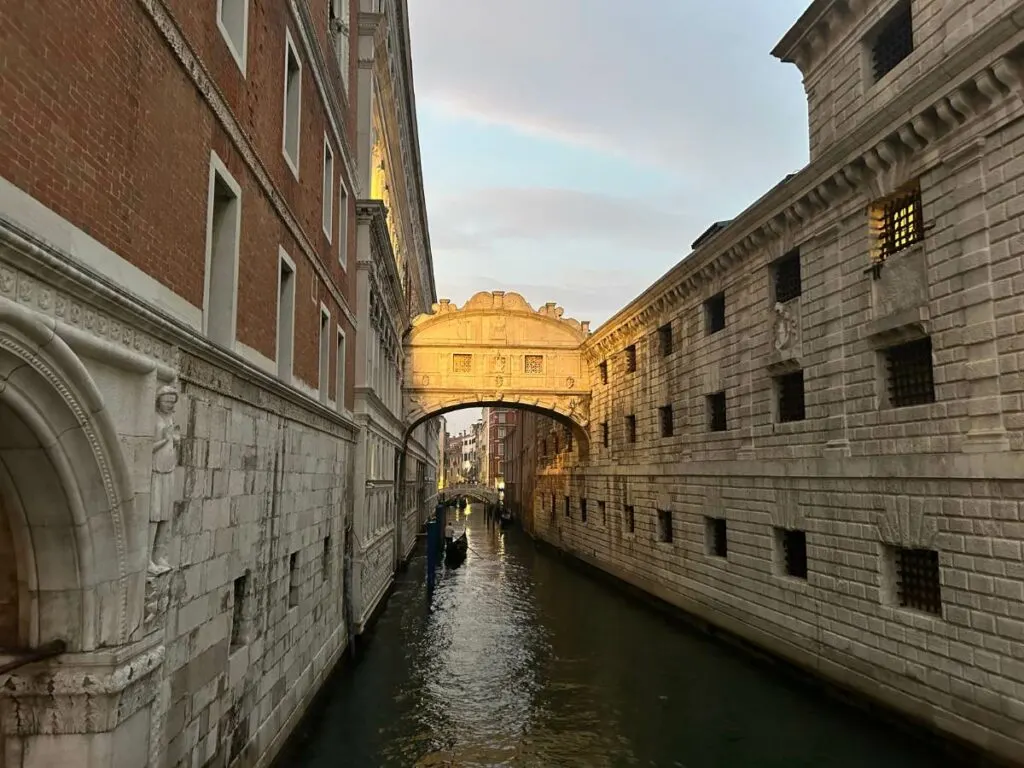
column 480, row 492
column 497, row 350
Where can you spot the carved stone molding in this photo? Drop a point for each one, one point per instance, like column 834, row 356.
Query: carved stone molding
column 905, row 523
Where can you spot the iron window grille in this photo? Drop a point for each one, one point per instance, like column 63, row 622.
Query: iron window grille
column 603, row 367
column 665, row 339
column 718, row 543
column 603, row 509
column 665, row 419
column 534, row 364
column 462, row 363
column 583, row 509
column 567, row 511
column 894, row 42
column 631, row 358
column 714, row 313
column 791, row 396
column 900, row 224
column 787, row 277
column 794, row 552
column 604, row 434
column 665, row 526
column 717, row 421
column 631, row 429
column 917, row 580
column 630, row 516
column 910, row 373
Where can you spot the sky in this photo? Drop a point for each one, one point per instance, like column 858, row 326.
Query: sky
column 573, row 149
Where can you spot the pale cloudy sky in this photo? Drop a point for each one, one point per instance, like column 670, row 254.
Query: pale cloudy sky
column 573, row 149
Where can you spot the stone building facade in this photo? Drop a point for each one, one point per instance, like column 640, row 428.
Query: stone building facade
column 179, row 320
column 809, row 431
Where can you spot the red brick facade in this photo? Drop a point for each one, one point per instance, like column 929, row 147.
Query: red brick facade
column 101, row 123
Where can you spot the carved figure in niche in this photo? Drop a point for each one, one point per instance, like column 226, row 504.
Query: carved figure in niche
column 785, row 327
column 499, row 381
column 570, row 382
column 499, row 363
column 161, row 495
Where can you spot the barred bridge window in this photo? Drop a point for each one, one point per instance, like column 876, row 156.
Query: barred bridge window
column 917, row 580
column 899, row 224
column 787, row 277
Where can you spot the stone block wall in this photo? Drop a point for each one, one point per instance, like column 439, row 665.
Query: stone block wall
column 264, row 502
column 857, row 479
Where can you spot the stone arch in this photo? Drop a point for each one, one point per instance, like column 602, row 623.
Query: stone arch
column 66, row 494
column 477, row 492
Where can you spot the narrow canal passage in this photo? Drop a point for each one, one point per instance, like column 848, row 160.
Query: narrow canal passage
column 524, row 661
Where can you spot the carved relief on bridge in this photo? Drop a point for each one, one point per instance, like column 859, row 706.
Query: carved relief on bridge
column 496, row 348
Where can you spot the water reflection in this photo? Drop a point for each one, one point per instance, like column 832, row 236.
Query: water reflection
column 522, row 661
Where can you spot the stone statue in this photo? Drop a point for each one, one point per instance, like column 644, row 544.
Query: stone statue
column 161, row 495
column 784, row 327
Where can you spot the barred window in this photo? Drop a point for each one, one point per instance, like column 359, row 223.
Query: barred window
column 786, row 276
column 716, row 536
column 535, row 364
column 793, row 546
column 603, row 509
column 717, row 421
column 665, row 419
column 603, row 367
column 583, row 509
column 631, row 429
column 899, row 223
column 714, row 313
column 665, row 526
column 631, row 358
column 893, row 42
column 462, row 363
column 917, row 579
column 629, row 516
column 567, row 511
column 665, row 339
column 910, row 374
column 604, row 434
column 790, row 388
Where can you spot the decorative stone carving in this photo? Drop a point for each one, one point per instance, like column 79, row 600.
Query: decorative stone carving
column 904, row 523
column 158, row 596
column 161, row 497
column 785, row 327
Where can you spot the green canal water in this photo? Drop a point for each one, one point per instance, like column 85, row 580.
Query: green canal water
column 522, row 660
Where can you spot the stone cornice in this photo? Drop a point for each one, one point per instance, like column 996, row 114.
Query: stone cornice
column 871, row 160
column 192, row 64
column 374, row 214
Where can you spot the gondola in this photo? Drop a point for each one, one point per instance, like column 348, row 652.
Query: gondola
column 506, row 519
column 455, row 553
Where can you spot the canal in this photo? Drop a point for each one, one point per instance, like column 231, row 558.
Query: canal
column 525, row 661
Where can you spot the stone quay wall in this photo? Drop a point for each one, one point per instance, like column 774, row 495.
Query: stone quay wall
column 788, row 467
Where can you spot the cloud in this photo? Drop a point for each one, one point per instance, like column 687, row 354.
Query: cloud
column 682, row 86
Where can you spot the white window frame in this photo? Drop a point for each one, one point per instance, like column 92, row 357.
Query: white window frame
column 324, row 366
column 341, row 344
column 293, row 163
column 342, row 224
column 240, row 56
column 286, row 375
column 328, row 190
column 219, row 169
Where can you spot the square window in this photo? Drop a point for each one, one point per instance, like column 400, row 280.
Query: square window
column 629, row 518
column 583, row 509
column 665, row 339
column 604, row 434
column 917, row 579
column 910, row 374
column 631, row 358
column 603, row 368
column 631, row 429
column 792, row 551
column 534, row 364
column 665, row 420
column 790, row 390
column 786, row 277
column 665, row 526
column 462, row 363
column 714, row 313
column 893, row 42
column 897, row 223
column 715, row 534
column 717, row 421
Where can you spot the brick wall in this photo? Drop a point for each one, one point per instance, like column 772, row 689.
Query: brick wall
column 122, row 150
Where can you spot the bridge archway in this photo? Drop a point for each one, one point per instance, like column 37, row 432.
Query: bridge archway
column 497, row 350
column 475, row 492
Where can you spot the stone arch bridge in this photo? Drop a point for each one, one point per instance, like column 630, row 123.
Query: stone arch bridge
column 477, row 492
column 497, row 350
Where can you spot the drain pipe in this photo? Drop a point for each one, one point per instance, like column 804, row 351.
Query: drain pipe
column 28, row 656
